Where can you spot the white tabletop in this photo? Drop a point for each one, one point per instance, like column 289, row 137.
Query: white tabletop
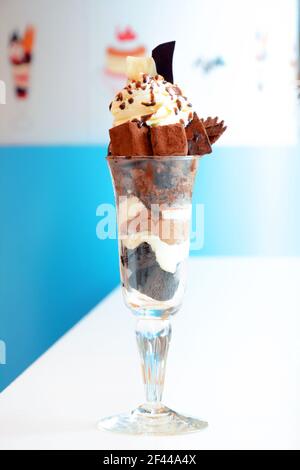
column 234, row 361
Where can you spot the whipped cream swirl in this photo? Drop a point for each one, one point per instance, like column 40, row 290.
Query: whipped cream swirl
column 151, row 100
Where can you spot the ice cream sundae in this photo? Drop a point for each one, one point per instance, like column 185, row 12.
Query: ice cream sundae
column 155, row 142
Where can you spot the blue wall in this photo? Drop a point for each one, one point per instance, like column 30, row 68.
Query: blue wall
column 53, row 269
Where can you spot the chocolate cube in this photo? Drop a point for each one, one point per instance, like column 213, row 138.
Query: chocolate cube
column 129, row 139
column 198, row 141
column 169, row 140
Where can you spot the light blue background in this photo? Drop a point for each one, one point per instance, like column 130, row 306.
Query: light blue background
column 53, row 269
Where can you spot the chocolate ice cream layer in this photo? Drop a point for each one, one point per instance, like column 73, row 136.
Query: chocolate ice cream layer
column 146, row 276
column 167, row 181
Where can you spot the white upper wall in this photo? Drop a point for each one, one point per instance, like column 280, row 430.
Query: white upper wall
column 254, row 91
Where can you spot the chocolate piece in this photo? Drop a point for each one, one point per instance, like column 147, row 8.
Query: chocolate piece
column 129, row 139
column 214, row 128
column 155, row 283
column 169, row 140
column 163, row 58
column 147, row 276
column 198, row 141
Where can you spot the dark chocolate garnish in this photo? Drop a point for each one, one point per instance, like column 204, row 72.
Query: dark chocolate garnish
column 163, row 58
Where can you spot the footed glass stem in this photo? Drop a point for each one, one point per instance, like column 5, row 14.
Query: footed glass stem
column 153, row 418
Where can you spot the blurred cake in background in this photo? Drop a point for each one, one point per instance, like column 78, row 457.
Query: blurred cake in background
column 126, row 43
column 20, row 58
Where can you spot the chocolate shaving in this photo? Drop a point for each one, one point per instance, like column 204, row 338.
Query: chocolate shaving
column 214, row 129
column 163, row 58
column 119, row 97
column 153, row 103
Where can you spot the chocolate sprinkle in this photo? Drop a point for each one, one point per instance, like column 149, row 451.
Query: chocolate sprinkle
column 122, row 106
column 152, row 97
column 177, row 90
column 131, row 100
column 179, row 105
column 110, row 106
column 119, row 97
column 170, row 91
column 149, row 104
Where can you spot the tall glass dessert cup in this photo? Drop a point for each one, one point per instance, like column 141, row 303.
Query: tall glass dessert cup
column 153, row 198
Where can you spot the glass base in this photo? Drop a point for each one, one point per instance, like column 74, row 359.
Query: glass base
column 146, row 420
